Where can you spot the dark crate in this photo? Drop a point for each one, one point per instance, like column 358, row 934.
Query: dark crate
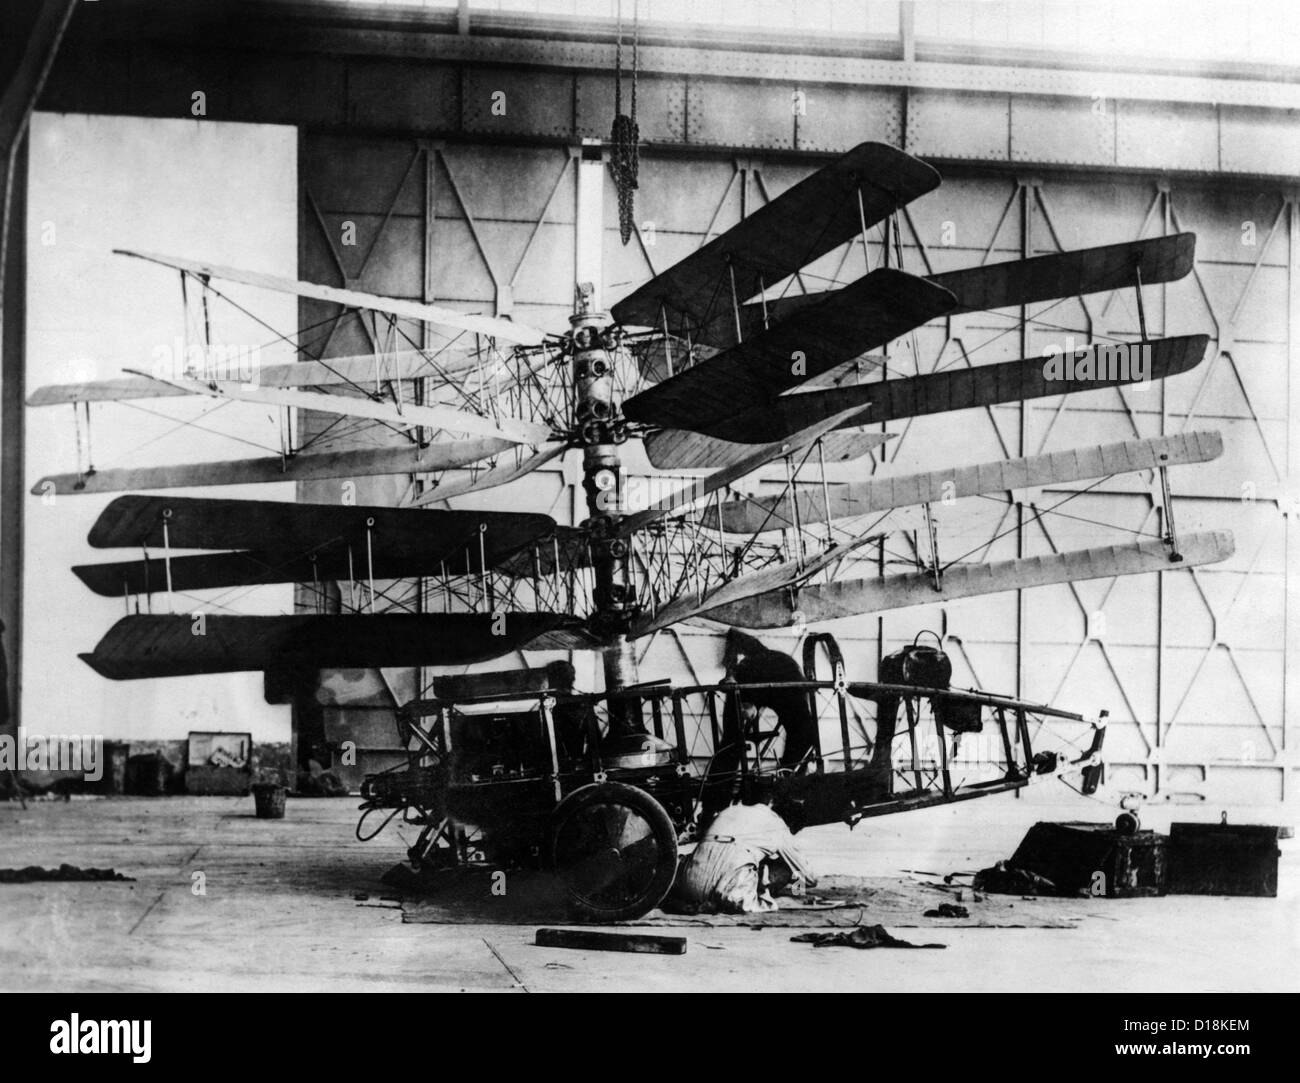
column 1223, row 859
column 148, row 774
column 1071, row 855
column 218, row 781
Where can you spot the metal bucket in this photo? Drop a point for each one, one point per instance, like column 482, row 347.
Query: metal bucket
column 268, row 799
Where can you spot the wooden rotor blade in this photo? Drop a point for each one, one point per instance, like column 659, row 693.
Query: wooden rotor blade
column 366, row 371
column 1028, row 281
column 361, row 370
column 850, row 598
column 1070, row 274
column 115, row 390
column 308, row 467
column 298, row 529
column 490, row 326
column 747, row 464
column 328, row 563
column 802, row 224
column 880, row 494
column 501, row 474
column 677, row 449
column 961, row 389
column 874, row 310
column 406, row 416
column 143, row 646
column 762, row 582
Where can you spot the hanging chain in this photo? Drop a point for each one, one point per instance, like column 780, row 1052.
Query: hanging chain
column 624, row 137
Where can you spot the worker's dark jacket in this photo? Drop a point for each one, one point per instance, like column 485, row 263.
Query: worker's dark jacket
column 790, row 705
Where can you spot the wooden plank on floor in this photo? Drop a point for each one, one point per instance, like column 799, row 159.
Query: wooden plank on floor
column 590, row 940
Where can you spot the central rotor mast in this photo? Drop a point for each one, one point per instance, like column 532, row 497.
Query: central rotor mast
column 600, row 429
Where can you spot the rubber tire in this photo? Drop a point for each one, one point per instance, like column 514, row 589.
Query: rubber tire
column 564, row 834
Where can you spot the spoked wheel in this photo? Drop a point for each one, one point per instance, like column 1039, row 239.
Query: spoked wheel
column 615, row 848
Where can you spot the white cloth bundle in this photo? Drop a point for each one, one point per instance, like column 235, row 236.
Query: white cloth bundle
column 729, row 871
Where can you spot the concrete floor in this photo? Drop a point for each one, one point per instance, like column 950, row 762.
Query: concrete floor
column 282, row 912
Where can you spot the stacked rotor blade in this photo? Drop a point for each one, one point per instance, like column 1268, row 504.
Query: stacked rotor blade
column 273, row 542
column 358, row 371
column 177, row 646
column 755, row 515
column 962, row 389
column 853, row 193
column 848, row 598
column 405, row 459
column 360, row 389
column 757, row 355
column 1028, row 281
column 738, row 378
column 766, row 371
column 490, row 326
column 677, row 449
column 873, row 311
column 269, row 542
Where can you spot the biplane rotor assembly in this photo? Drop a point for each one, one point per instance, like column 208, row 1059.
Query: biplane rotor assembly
column 723, row 365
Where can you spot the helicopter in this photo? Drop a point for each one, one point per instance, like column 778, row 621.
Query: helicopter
column 723, row 366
